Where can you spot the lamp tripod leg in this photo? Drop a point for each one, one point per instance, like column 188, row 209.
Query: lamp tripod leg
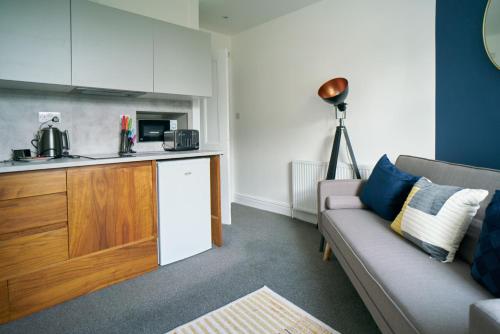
column 334, row 157
column 351, row 153
column 332, row 168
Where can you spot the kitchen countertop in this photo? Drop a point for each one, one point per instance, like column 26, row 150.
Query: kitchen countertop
column 101, row 159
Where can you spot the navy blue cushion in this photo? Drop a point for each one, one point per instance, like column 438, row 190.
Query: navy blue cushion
column 387, row 188
column 486, row 263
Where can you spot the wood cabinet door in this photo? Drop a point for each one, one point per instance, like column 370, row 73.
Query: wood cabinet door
column 32, row 252
column 4, row 302
column 109, row 205
column 32, row 183
column 73, row 278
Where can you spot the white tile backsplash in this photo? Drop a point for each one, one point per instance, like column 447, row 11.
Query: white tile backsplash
column 93, row 122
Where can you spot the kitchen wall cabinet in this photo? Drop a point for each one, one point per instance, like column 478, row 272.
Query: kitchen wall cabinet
column 109, row 205
column 111, row 49
column 182, row 60
column 79, row 43
column 35, row 41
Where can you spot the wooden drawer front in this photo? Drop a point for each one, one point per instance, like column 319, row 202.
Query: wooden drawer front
column 73, row 278
column 4, row 302
column 32, row 252
column 109, row 206
column 31, row 212
column 26, row 184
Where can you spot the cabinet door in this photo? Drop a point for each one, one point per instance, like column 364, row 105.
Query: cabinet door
column 182, row 60
column 4, row 302
column 69, row 279
column 29, row 253
column 111, row 48
column 35, row 41
column 109, row 205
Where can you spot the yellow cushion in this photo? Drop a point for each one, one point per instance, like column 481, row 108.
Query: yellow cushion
column 396, row 224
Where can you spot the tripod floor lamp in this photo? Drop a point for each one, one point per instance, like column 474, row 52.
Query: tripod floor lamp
column 335, row 92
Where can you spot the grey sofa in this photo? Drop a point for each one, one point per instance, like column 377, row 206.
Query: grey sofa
column 403, row 288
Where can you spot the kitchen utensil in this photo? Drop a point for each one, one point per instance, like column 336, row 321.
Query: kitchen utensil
column 51, row 142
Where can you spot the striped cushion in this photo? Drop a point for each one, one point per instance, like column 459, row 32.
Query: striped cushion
column 436, row 217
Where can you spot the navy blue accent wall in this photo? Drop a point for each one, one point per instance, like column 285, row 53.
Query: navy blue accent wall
column 467, row 87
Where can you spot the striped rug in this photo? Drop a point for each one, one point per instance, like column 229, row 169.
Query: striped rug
column 261, row 312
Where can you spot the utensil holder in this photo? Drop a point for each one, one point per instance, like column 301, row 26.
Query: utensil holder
column 124, row 142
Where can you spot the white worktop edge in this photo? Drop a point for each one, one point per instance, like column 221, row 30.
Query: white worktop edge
column 79, row 162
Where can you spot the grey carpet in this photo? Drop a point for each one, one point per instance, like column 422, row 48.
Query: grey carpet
column 260, row 248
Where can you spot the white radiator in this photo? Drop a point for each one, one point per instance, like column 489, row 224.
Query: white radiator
column 305, row 178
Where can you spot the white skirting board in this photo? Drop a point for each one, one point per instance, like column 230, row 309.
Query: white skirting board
column 281, row 208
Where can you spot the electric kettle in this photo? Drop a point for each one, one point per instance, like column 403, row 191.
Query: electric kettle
column 51, row 142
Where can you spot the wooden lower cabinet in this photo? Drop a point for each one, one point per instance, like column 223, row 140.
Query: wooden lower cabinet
column 33, row 183
column 78, row 276
column 23, row 214
column 29, row 253
column 215, row 200
column 109, row 205
column 68, row 232
column 4, row 302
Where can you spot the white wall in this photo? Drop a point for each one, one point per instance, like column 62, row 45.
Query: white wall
column 218, row 41
column 386, row 50
column 181, row 12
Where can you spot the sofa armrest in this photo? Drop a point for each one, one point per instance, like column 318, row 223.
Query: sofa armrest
column 484, row 317
column 335, row 202
column 337, row 188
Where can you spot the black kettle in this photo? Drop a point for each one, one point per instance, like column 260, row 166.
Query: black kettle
column 51, row 142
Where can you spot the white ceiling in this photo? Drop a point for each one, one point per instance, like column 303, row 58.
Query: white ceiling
column 244, row 14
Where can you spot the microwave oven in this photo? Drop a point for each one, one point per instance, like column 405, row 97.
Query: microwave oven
column 153, row 129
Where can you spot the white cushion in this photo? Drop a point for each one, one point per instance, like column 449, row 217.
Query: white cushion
column 436, row 217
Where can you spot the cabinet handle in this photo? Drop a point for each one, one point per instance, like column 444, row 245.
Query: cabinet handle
column 187, row 173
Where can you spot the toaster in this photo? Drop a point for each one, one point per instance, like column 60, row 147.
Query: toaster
column 181, row 140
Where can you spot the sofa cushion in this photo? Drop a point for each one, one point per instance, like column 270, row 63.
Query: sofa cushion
column 457, row 175
column 486, row 265
column 386, row 189
column 413, row 292
column 435, row 217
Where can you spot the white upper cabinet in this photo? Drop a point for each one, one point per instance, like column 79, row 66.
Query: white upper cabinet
column 111, row 49
column 182, row 60
column 35, row 41
column 84, row 44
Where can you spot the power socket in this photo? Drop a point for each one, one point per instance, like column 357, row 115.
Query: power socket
column 45, row 116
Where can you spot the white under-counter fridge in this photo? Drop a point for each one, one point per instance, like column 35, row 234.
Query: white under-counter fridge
column 184, row 218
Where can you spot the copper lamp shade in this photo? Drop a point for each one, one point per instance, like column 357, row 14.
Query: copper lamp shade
column 334, row 91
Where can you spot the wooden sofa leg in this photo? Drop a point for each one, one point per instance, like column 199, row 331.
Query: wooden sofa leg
column 327, row 253
column 322, row 244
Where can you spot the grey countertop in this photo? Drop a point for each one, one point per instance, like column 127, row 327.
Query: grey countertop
column 100, row 159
